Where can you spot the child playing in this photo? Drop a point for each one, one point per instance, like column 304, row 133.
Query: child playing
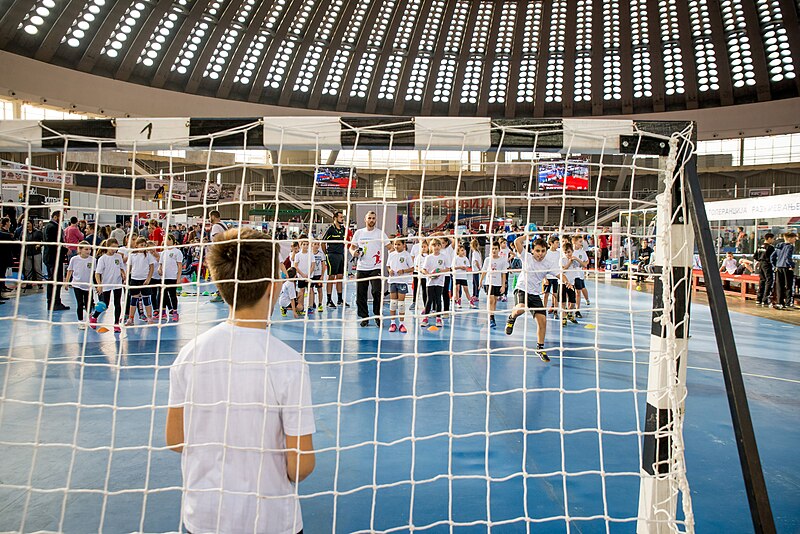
column 475, row 263
column 170, row 265
column 504, row 250
column 304, row 265
column 400, row 267
column 320, row 266
column 496, row 276
column 240, row 410
column 434, row 268
column 141, row 272
column 110, row 277
column 528, row 296
column 420, row 283
column 572, row 270
column 579, row 253
column 553, row 257
column 461, row 268
column 288, row 296
column 79, row 271
column 155, row 288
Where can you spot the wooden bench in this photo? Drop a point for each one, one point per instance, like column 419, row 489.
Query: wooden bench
column 744, row 280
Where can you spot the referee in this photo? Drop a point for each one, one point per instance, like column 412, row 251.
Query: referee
column 333, row 247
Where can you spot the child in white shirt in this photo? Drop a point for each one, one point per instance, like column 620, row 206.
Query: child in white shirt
column 475, row 263
column 494, row 277
column 170, row 266
column 571, row 268
column 79, row 272
column 320, row 265
column 141, row 272
column 420, row 282
column 461, row 267
column 579, row 253
column 435, row 269
column 110, row 277
column 554, row 258
column 240, row 409
column 400, row 266
column 304, row 265
column 288, row 297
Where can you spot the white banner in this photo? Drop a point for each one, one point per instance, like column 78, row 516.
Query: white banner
column 18, row 172
column 772, row 207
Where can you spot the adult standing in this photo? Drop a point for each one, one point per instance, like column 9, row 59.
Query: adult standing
column 604, row 243
column 55, row 256
column 73, row 236
column 333, row 247
column 91, row 237
column 118, row 233
column 32, row 263
column 6, row 254
column 217, row 229
column 156, row 234
column 368, row 246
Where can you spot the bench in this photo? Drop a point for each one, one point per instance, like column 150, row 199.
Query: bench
column 744, row 280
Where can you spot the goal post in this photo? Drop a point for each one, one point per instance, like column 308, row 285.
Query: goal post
column 663, row 148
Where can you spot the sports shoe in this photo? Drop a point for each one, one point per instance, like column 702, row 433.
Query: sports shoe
column 439, row 322
column 424, row 323
column 572, row 319
column 283, row 312
column 378, row 323
column 156, row 314
column 320, row 308
column 542, row 355
column 117, row 329
column 81, row 326
column 310, row 311
column 458, row 303
column 142, row 316
column 473, row 302
column 330, row 304
column 175, row 317
column 393, row 328
column 93, row 322
column 503, row 299
column 510, row 326
column 402, row 328
column 129, row 321
column 588, row 302
column 578, row 315
column 492, row 323
column 412, row 305
column 364, row 323
column 563, row 321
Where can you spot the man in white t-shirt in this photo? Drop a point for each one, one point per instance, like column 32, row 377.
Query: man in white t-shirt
column 240, row 409
column 369, row 245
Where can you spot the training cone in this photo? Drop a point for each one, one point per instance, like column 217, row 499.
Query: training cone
column 205, row 293
column 590, row 326
column 100, row 307
column 184, row 294
column 433, row 328
column 102, row 329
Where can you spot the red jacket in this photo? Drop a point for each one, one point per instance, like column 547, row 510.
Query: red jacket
column 157, row 235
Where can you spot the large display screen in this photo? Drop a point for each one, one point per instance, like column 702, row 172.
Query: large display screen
column 338, row 177
column 558, row 175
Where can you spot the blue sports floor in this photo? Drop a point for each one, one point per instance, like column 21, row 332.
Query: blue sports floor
column 426, row 418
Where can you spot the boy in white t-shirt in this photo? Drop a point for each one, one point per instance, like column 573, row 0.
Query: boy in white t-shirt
column 240, row 409
column 494, row 277
column 79, row 272
column 571, row 268
column 461, row 267
column 400, row 266
column 320, row 265
column 553, row 256
column 288, row 296
column 579, row 253
column 304, row 265
column 528, row 296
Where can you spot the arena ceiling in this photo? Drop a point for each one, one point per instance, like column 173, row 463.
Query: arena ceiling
column 521, row 58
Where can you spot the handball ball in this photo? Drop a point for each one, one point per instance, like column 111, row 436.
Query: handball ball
column 638, row 288
column 100, row 307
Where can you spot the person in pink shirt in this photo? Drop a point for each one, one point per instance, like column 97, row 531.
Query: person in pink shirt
column 73, row 236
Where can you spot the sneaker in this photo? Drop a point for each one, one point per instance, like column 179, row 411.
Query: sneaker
column 411, row 307
column 439, row 322
column 117, row 329
column 283, row 312
column 402, row 328
column 175, row 317
column 578, row 315
column 320, row 308
column 129, row 321
column 542, row 355
column 554, row 312
column 330, row 304
column 310, row 311
column 156, row 314
column 393, row 328
column 588, row 302
column 509, row 326
column 93, row 322
column 492, row 324
column 142, row 316
column 378, row 323
column 458, row 303
column 81, row 326
column 424, row 323
column 364, row 323
column 563, row 321
column 473, row 302
column 59, row 307
column 572, row 319
column 503, row 299
column 346, row 305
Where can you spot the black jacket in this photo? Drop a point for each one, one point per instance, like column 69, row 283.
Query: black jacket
column 51, row 235
column 763, row 255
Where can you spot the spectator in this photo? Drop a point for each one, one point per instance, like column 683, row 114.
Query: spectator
column 82, row 226
column 73, row 236
column 32, row 263
column 55, row 256
column 6, row 254
column 604, row 243
column 783, row 263
column 118, row 233
column 156, row 233
column 144, row 231
column 90, row 236
column 766, row 275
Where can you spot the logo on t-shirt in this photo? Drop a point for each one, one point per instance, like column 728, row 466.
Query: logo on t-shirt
column 376, row 257
column 440, row 262
column 116, row 262
column 402, row 260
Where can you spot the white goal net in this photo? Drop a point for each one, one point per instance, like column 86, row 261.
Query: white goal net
column 416, row 335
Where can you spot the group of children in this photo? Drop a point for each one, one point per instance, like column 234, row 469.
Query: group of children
column 542, row 277
column 141, row 266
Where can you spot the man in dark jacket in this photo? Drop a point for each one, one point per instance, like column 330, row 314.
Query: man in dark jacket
column 55, row 256
column 783, row 262
column 6, row 254
column 766, row 275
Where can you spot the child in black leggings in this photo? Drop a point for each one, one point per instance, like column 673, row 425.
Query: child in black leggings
column 79, row 272
column 110, row 275
column 170, row 267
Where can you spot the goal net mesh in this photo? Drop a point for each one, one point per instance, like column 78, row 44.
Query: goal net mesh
column 462, row 426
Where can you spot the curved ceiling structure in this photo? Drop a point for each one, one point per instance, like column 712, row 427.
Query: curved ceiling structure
column 519, row 58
